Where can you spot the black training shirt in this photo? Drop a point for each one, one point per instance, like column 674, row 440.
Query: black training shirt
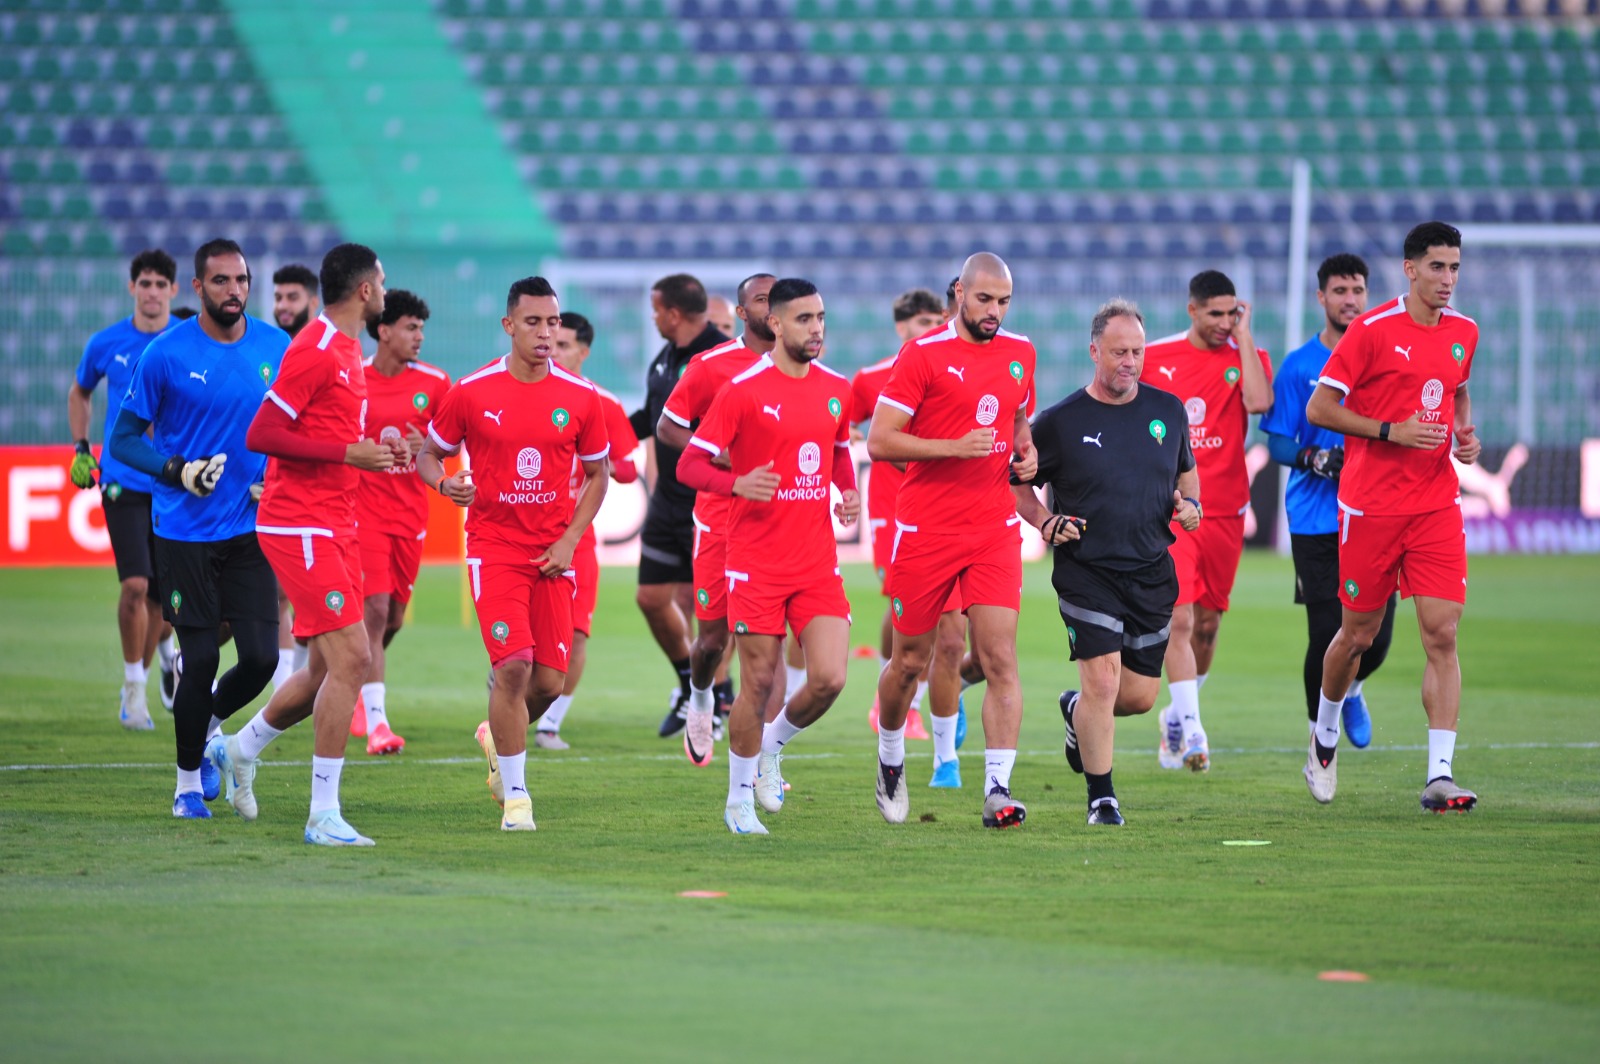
column 662, row 377
column 1115, row 467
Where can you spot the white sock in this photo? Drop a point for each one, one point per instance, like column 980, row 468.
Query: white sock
column 922, row 692
column 1327, row 726
column 776, row 735
column 892, row 746
column 944, row 739
column 134, row 672
column 188, row 782
column 167, row 649
column 551, row 721
column 514, row 775
column 213, row 729
column 1186, row 704
column 741, row 778
column 796, row 680
column 325, row 772
column 701, row 699
column 372, row 697
column 256, row 736
column 302, row 655
column 997, row 765
column 285, row 669
column 1441, row 751
column 1200, row 680
column 1355, row 689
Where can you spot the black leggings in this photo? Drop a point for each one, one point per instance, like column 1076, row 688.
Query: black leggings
column 194, row 704
column 1322, row 624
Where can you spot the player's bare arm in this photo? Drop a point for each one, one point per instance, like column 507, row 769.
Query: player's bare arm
column 1467, row 443
column 848, row 508
column 79, row 406
column 458, row 488
column 1025, row 464
column 673, row 434
column 557, row 559
column 1327, row 410
column 1055, row 528
column 370, row 454
column 1186, row 500
column 888, row 441
column 1253, row 384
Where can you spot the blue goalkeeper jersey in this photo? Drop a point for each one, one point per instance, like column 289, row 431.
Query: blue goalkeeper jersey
column 111, row 355
column 1310, row 502
column 200, row 396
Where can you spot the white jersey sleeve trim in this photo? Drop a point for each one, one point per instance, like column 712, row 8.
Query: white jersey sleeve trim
column 764, row 362
column 329, row 330
column 885, row 400
column 946, row 333
column 1012, row 336
column 674, row 418
column 705, row 445
column 1333, row 383
column 282, row 530
column 294, row 415
column 1398, row 308
column 601, row 453
column 432, row 371
column 498, row 366
column 449, row 448
column 835, row 372
column 557, row 371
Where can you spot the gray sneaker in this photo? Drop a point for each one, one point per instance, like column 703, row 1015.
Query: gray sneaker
column 894, row 801
column 1322, row 778
column 1000, row 810
column 1443, row 795
column 238, row 777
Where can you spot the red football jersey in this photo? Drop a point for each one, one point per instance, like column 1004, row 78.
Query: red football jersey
column 621, row 440
column 764, row 415
column 883, row 481
column 395, row 499
column 521, row 441
column 321, row 387
column 705, row 376
column 1208, row 383
column 1389, row 368
column 951, row 386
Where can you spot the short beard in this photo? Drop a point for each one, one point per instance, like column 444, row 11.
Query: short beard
column 299, row 322
column 225, row 318
column 799, row 354
column 975, row 327
column 760, row 329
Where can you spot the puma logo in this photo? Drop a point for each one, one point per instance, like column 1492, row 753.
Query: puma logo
column 1166, row 371
column 495, row 417
column 1486, row 494
column 1406, row 351
column 1095, row 439
column 563, row 647
column 959, row 373
column 773, row 410
column 320, row 776
column 201, row 377
column 120, row 358
column 344, row 375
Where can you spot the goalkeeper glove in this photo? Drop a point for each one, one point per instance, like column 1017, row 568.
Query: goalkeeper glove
column 84, row 466
column 198, row 477
column 1325, row 462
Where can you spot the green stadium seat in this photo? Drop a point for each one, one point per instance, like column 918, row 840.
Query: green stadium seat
column 57, row 242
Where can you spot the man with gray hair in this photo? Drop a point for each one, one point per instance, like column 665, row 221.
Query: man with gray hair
column 1116, row 458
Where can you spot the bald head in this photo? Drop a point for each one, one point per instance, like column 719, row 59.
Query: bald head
column 983, row 295
column 720, row 313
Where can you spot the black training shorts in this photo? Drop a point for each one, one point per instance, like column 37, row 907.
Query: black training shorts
column 132, row 538
column 666, row 544
column 1316, row 567
column 204, row 584
column 1108, row 611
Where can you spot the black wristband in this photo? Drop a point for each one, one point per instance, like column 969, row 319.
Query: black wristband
column 172, row 472
column 1383, row 430
column 1305, row 458
column 82, row 446
column 1196, row 504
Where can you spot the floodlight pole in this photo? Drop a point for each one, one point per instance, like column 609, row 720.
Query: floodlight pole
column 1294, row 304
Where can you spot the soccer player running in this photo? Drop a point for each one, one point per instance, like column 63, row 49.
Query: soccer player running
column 1314, row 457
column 1120, row 472
column 779, row 422
column 573, row 341
column 525, row 421
column 666, row 544
column 1401, row 371
column 295, row 300
column 703, row 380
column 954, row 410
column 125, row 492
column 312, row 424
column 1222, row 377
column 197, row 386
column 392, row 504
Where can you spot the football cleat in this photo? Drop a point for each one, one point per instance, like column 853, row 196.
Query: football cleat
column 169, row 681
column 549, row 740
column 946, row 774
column 961, row 720
column 328, row 828
column 1069, row 702
column 190, row 806
column 383, row 741
column 1442, row 795
column 1322, row 776
column 1197, row 752
column 769, row 781
column 133, row 713
column 699, row 737
column 894, row 801
column 211, row 768
column 1000, row 810
column 1356, row 721
column 677, row 716
column 1169, row 751
column 518, row 815
column 358, row 719
column 720, row 722
column 1105, row 812
column 238, row 777
column 741, row 819
column 486, row 742
column 915, row 729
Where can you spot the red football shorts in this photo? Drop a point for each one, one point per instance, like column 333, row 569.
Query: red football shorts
column 882, row 531
column 710, row 572
column 1207, row 561
column 321, row 575
column 519, row 607
column 389, row 563
column 586, row 568
column 1421, row 554
column 933, row 572
column 762, row 605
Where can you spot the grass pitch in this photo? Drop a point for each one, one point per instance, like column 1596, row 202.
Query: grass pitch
column 126, row 935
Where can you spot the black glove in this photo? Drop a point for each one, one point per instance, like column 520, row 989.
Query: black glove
column 1325, row 462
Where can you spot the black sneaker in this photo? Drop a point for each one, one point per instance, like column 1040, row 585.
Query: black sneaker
column 676, row 717
column 1000, row 810
column 1105, row 812
column 1069, row 702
